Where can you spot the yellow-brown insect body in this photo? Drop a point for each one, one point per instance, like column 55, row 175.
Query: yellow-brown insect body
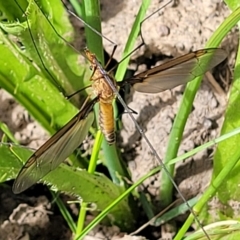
column 106, row 121
column 106, row 97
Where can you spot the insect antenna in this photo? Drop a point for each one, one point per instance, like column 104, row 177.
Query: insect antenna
column 52, row 78
column 89, row 26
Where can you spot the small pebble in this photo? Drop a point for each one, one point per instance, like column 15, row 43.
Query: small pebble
column 164, row 30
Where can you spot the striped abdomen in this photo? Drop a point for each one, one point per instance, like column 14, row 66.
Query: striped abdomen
column 106, row 121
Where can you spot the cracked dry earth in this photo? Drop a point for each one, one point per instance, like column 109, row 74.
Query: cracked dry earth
column 177, row 29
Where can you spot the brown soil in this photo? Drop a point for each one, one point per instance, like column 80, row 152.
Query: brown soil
column 179, row 28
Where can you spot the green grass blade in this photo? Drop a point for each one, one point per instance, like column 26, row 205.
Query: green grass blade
column 185, row 109
column 65, row 213
column 114, row 165
column 132, row 39
column 175, row 212
column 226, row 26
column 92, row 17
column 209, row 193
column 227, row 149
column 7, row 132
column 224, row 230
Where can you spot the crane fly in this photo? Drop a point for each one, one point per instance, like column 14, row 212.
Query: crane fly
column 168, row 75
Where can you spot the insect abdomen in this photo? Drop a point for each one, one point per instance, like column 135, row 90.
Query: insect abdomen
column 106, row 121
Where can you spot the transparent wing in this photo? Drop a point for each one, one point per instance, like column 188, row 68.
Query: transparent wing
column 55, row 150
column 177, row 71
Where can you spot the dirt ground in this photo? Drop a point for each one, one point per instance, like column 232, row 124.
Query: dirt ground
column 178, row 28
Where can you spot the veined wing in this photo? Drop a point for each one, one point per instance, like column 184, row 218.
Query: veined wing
column 177, row 71
column 56, row 149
